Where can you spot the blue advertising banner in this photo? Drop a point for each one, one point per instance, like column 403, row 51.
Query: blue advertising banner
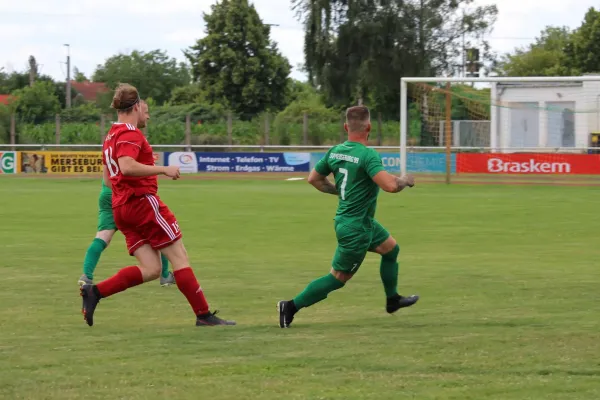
column 314, row 159
column 419, row 162
column 191, row 162
column 415, row 163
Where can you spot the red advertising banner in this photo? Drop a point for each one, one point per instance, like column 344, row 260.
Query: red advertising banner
column 528, row 163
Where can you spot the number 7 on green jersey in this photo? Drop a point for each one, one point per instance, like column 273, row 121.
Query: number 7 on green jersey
column 344, row 172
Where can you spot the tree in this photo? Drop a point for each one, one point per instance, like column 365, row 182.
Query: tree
column 60, row 90
column 18, row 80
column 358, row 49
column 78, row 75
column 237, row 64
column 36, row 103
column 187, row 95
column 545, row 57
column 582, row 53
column 154, row 74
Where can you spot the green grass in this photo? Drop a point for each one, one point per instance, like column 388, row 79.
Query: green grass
column 508, row 277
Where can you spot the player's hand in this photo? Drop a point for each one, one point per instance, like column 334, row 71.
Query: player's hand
column 172, row 172
column 409, row 180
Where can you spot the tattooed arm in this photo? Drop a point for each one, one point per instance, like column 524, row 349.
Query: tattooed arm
column 321, row 183
column 391, row 183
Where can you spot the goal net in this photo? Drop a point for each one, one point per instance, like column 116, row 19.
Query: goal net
column 501, row 128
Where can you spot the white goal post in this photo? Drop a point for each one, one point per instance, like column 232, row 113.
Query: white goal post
column 550, row 96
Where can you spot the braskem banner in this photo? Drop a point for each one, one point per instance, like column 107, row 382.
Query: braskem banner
column 530, row 163
column 415, row 162
column 191, row 162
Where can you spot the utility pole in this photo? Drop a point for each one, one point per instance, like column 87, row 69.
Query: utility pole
column 32, row 70
column 463, row 71
column 68, row 88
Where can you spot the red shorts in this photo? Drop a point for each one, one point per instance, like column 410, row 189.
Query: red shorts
column 146, row 219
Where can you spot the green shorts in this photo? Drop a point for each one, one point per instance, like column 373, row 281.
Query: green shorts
column 106, row 220
column 353, row 245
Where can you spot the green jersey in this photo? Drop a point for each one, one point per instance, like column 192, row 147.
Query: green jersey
column 353, row 166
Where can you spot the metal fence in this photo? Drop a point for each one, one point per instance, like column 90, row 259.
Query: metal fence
column 193, row 129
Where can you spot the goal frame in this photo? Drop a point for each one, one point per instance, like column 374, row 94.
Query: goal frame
column 404, row 81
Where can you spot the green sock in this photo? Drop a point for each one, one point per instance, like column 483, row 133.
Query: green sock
column 389, row 271
column 92, row 256
column 165, row 266
column 317, row 290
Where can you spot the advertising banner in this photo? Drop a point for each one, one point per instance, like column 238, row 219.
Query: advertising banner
column 530, row 163
column 159, row 158
column 61, row 162
column 314, row 159
column 419, row 162
column 186, row 161
column 64, row 162
column 8, row 162
column 415, row 163
column 191, row 162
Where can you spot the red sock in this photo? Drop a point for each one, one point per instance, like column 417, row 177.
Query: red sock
column 189, row 286
column 122, row 280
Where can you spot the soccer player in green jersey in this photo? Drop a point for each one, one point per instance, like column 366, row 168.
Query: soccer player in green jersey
column 359, row 174
column 107, row 229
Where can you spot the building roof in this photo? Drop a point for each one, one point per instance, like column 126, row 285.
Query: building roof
column 534, row 85
column 5, row 99
column 89, row 90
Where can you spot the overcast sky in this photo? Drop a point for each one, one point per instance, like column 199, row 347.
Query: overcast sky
column 97, row 29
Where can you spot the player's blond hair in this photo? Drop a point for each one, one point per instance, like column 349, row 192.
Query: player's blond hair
column 358, row 119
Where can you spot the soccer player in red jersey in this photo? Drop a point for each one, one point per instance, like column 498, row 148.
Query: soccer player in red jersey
column 146, row 222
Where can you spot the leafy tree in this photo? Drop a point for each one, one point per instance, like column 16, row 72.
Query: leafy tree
column 186, row 95
column 544, row 57
column 36, row 103
column 18, row 80
column 582, row 53
column 357, row 50
column 60, row 89
column 4, row 124
column 86, row 112
column 237, row 64
column 288, row 124
column 79, row 76
column 154, row 74
column 558, row 51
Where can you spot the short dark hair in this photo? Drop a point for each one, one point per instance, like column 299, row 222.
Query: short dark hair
column 357, row 118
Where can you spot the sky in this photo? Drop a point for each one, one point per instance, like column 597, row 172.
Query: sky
column 42, row 27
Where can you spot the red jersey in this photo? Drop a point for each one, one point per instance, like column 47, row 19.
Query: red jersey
column 125, row 140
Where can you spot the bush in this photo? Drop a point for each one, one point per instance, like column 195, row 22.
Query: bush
column 87, row 112
column 81, row 125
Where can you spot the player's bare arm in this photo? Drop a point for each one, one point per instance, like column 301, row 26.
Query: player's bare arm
column 130, row 167
column 321, row 183
column 392, row 183
column 106, row 178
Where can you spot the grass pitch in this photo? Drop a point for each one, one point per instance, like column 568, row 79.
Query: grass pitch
column 508, row 276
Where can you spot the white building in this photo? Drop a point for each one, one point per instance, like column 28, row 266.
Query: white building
column 544, row 114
